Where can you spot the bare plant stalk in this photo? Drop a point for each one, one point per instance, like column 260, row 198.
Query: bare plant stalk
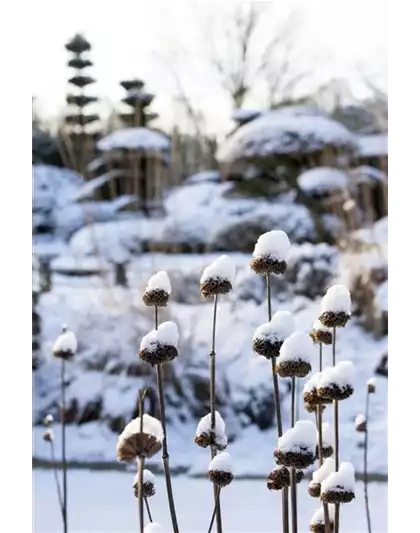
column 216, row 491
column 213, row 516
column 148, row 509
column 165, row 454
column 285, row 490
column 320, row 445
column 365, row 464
column 57, row 481
column 63, row 442
column 142, row 396
column 336, row 442
column 293, row 470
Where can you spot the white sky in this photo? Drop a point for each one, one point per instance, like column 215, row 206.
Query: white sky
column 129, row 38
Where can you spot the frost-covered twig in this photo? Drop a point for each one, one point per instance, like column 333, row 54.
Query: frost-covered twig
column 64, row 348
column 217, row 278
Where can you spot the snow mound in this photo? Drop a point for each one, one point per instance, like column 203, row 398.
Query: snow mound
column 343, row 479
column 66, row 342
column 222, row 268
column 318, row 517
column 327, row 435
column 337, row 299
column 221, row 463
column 166, row 334
column 322, row 180
column 275, row 133
column 372, row 145
column 205, row 176
column 312, row 382
column 278, row 329
column 274, row 243
column 134, row 139
column 53, row 186
column 302, row 434
column 341, row 374
column 323, row 471
column 154, row 527
column 297, row 347
column 151, row 426
column 160, row 280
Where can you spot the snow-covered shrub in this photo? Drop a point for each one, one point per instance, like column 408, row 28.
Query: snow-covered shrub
column 311, row 268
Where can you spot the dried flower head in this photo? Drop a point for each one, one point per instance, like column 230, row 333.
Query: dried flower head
column 48, row 420
column 371, row 385
column 295, row 356
column 320, row 333
column 270, row 253
column 66, row 345
column 269, row 337
column 336, row 383
column 338, row 487
column 310, row 394
column 336, row 307
column 48, row 435
column 220, row 469
column 296, row 447
column 314, row 489
column 132, row 443
column 158, row 290
column 205, row 436
column 279, row 478
column 149, row 481
column 218, row 277
column 360, row 423
column 160, row 345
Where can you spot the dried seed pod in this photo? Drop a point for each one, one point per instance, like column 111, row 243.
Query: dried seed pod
column 48, row 435
column 360, row 424
column 219, row 478
column 335, row 307
column 155, row 298
column 327, row 451
column 163, row 353
column 299, row 460
column 337, row 495
column 279, row 478
column 66, row 345
column 148, row 484
column 335, row 392
column 266, row 264
column 314, row 489
column 218, row 277
column 160, row 345
column 293, row 369
column 212, row 286
column 266, row 347
column 334, row 319
column 220, row 470
column 131, row 443
column 371, row 386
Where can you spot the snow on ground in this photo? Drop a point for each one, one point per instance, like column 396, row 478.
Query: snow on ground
column 103, row 502
column 203, row 177
column 134, row 138
column 276, row 133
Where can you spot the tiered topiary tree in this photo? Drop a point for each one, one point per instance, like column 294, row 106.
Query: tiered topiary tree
column 79, row 138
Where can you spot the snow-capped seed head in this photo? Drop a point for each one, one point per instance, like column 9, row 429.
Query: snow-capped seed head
column 320, row 333
column 131, row 443
column 149, row 482
column 371, row 385
column 317, row 523
column 338, row 487
column 295, row 357
column 153, row 527
column 217, row 278
column 160, row 345
column 296, row 447
column 327, row 441
column 66, row 345
column 158, row 290
column 269, row 337
column 48, row 420
column 323, row 471
column 270, row 253
column 360, row 423
column 220, row 469
column 336, row 307
column 48, row 435
column 205, row 436
column 337, row 383
column 310, row 394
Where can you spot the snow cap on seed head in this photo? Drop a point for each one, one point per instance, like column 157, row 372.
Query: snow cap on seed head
column 204, row 427
column 302, row 434
column 318, row 517
column 284, row 323
column 160, row 280
column 371, row 385
column 297, row 347
column 312, row 382
column 148, row 477
column 274, row 243
column 323, row 471
column 319, row 326
column 222, row 462
column 327, row 435
column 337, row 299
column 167, row 334
column 66, row 343
column 222, row 268
column 48, row 420
column 341, row 374
column 344, row 479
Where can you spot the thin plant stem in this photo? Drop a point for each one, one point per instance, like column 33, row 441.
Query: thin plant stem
column 365, row 464
column 57, row 481
column 285, row 490
column 165, row 454
column 213, row 516
column 63, row 442
column 148, row 509
column 336, row 441
column 216, row 492
column 142, row 395
column 320, row 445
column 293, row 491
